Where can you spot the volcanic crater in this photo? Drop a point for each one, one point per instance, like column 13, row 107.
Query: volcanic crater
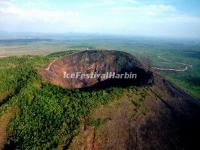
column 98, row 62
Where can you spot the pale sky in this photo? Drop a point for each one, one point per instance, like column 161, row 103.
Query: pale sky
column 164, row 18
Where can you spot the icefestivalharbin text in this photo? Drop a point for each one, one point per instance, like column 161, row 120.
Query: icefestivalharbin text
column 93, row 75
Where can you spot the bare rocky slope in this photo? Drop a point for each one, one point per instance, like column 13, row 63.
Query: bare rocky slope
column 97, row 62
column 157, row 117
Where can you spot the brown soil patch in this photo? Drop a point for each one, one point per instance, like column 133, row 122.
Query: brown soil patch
column 4, row 123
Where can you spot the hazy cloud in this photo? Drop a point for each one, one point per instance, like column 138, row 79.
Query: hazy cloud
column 153, row 9
column 104, row 16
column 6, row 2
column 100, row 3
column 36, row 14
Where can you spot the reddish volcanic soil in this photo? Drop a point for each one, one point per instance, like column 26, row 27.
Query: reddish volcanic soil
column 166, row 118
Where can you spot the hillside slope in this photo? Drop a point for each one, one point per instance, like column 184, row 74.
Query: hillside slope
column 157, row 116
column 160, row 117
